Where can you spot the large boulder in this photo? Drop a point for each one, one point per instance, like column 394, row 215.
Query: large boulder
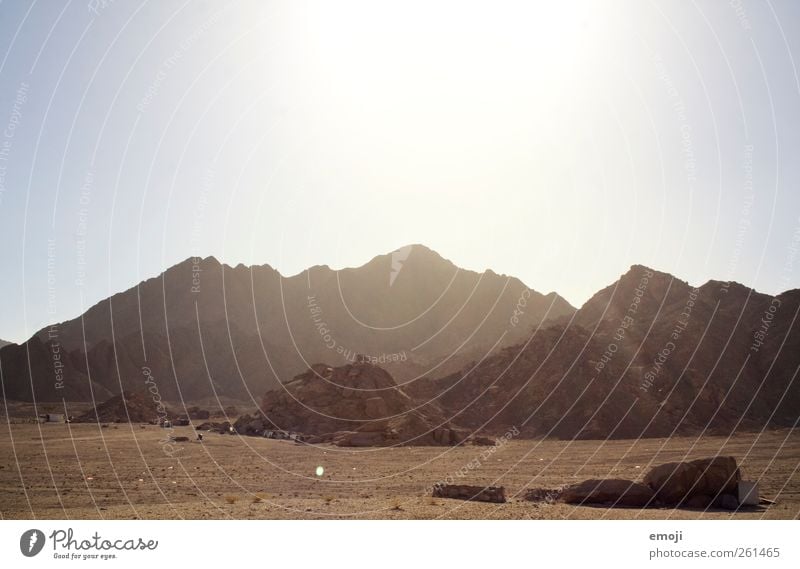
column 727, row 502
column 676, row 483
column 612, row 492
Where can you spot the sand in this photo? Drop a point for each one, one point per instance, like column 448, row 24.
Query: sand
column 83, row 471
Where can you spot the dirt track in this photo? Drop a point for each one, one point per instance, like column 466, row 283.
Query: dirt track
column 123, row 471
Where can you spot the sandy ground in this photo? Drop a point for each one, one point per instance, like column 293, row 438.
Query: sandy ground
column 57, row 471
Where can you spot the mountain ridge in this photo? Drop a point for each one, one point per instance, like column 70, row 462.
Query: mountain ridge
column 685, row 360
column 647, row 355
column 425, row 312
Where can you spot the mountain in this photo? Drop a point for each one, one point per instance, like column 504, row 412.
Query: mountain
column 649, row 356
column 4, row 343
column 204, row 329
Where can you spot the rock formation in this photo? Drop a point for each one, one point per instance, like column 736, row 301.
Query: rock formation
column 697, row 483
column 356, row 405
column 129, row 407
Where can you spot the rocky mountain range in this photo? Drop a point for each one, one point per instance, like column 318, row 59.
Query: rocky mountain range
column 648, row 355
column 204, row 329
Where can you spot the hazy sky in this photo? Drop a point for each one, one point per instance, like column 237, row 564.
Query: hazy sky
column 559, row 142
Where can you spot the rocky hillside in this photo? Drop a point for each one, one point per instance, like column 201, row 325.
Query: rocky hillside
column 356, row 405
column 647, row 356
column 206, row 329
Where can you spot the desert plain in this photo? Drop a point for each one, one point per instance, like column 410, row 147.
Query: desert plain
column 129, row 471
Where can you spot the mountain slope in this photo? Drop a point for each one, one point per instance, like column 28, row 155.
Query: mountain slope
column 206, row 329
column 647, row 356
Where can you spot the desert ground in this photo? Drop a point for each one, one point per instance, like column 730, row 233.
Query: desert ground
column 126, row 471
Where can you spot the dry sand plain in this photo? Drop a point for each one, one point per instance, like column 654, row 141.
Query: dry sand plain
column 122, row 472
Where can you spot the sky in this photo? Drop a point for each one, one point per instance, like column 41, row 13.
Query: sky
column 556, row 142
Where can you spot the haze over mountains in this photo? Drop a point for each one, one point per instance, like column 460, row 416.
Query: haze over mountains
column 208, row 329
column 648, row 355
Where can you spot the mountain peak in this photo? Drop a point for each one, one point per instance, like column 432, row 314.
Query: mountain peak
column 415, row 257
column 420, row 252
column 637, row 270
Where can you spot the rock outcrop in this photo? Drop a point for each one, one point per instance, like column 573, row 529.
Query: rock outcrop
column 129, row 407
column 355, row 405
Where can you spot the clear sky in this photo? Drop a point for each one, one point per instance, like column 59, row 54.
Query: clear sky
column 559, row 142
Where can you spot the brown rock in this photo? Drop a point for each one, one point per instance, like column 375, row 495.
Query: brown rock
column 621, row 493
column 212, row 426
column 672, row 481
column 700, row 501
column 136, row 406
column 727, row 502
column 718, row 474
column 355, row 398
column 675, row 482
column 494, row 494
column 247, row 425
